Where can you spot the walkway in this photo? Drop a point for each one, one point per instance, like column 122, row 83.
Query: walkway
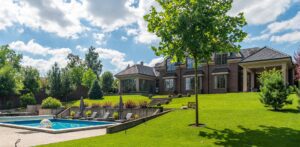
column 8, row 136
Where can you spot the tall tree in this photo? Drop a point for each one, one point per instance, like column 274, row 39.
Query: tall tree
column 93, row 62
column 95, row 91
column 54, row 82
column 31, row 79
column 76, row 69
column 88, row 77
column 197, row 29
column 10, row 79
column 66, row 84
column 107, row 80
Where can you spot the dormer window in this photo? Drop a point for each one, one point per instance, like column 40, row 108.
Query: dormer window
column 221, row 59
column 170, row 66
column 189, row 63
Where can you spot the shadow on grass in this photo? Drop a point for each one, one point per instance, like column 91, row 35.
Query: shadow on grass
column 287, row 111
column 264, row 136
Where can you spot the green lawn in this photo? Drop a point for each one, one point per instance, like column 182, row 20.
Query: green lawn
column 236, row 119
column 114, row 99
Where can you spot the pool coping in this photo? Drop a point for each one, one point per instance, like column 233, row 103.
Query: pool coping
column 61, row 130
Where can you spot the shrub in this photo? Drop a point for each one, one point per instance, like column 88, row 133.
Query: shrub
column 107, row 104
column 116, row 115
column 95, row 91
column 179, row 95
column 143, row 104
column 130, row 104
column 136, row 116
column 150, row 96
column 96, row 105
column 274, row 92
column 27, row 99
column 88, row 113
column 72, row 113
column 51, row 103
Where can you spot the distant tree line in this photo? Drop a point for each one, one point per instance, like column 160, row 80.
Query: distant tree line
column 59, row 82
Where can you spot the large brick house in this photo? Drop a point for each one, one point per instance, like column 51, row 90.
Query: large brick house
column 230, row 72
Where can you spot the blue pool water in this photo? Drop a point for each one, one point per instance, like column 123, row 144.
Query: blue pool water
column 58, row 124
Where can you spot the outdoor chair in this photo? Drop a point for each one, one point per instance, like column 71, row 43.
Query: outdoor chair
column 104, row 118
column 94, row 114
column 127, row 118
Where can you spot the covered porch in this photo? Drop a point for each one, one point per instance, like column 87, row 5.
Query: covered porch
column 252, row 70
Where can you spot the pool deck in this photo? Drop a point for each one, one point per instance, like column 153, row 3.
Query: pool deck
column 8, row 136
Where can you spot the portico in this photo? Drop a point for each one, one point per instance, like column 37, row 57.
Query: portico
column 251, row 71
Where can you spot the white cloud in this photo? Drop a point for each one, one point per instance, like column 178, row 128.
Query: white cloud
column 123, row 38
column 37, row 49
column 99, row 38
column 292, row 37
column 46, row 56
column 81, row 49
column 260, row 11
column 58, row 17
column 116, row 58
column 291, row 24
column 155, row 61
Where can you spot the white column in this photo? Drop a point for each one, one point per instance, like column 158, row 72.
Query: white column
column 284, row 72
column 137, row 84
column 252, row 79
column 245, row 89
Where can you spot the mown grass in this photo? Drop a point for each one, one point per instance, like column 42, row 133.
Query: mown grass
column 234, row 119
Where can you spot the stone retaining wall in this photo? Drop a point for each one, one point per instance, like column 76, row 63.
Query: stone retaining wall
column 130, row 124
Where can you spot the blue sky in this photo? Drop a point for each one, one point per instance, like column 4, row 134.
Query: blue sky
column 46, row 31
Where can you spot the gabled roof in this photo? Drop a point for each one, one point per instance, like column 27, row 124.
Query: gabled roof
column 138, row 69
column 264, row 53
column 249, row 51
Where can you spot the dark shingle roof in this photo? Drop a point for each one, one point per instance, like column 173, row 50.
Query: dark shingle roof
column 138, row 69
column 248, row 52
column 265, row 54
column 218, row 70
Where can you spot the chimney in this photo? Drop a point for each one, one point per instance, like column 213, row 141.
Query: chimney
column 142, row 63
column 128, row 66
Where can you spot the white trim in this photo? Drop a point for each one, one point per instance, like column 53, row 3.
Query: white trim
column 170, row 77
column 220, row 73
column 186, row 76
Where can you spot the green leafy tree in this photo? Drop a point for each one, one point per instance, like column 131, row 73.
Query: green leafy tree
column 66, row 84
column 274, row 92
column 93, row 62
column 54, row 82
column 7, row 80
column 76, row 75
column 116, row 85
column 88, row 77
column 197, row 29
column 95, row 91
column 107, row 80
column 10, row 77
column 74, row 61
column 31, row 80
column 27, row 99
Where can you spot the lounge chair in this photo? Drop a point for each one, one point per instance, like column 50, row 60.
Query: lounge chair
column 127, row 118
column 94, row 114
column 156, row 112
column 77, row 115
column 104, row 118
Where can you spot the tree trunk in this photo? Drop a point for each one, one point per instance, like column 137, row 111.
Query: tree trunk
column 196, row 90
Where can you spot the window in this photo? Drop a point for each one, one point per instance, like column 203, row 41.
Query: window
column 220, row 59
column 190, row 63
column 129, row 85
column 170, row 66
column 190, row 83
column 147, row 85
column 169, row 84
column 220, row 81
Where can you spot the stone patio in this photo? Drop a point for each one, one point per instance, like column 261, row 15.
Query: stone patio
column 8, row 136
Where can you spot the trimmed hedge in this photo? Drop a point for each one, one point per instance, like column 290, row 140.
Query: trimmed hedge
column 51, row 103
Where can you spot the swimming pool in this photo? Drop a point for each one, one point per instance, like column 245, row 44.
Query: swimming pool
column 58, row 125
